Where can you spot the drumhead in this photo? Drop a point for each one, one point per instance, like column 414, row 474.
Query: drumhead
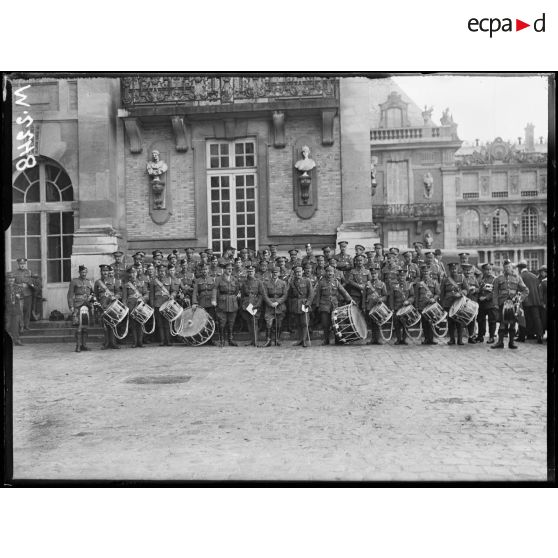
column 456, row 306
column 358, row 321
column 193, row 322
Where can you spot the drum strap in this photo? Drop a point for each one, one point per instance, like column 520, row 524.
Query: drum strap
column 108, row 292
column 162, row 287
column 134, row 288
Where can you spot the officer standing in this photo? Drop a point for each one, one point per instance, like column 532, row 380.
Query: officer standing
column 487, row 307
column 224, row 296
column 300, row 295
column 451, row 289
column 344, row 260
column 134, row 291
column 161, row 292
column 357, row 278
column 105, row 292
column 426, row 291
column 473, row 291
column 400, row 294
column 23, row 280
column 510, row 289
column 201, row 296
column 12, row 300
column 412, row 271
column 251, row 293
column 79, row 295
column 275, row 294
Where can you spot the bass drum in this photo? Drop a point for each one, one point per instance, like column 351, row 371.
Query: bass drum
column 464, row 310
column 349, row 323
column 196, row 327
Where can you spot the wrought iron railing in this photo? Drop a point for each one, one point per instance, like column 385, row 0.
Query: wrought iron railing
column 416, row 210
column 167, row 90
column 502, row 240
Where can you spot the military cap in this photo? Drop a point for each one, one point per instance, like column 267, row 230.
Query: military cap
column 407, row 252
column 278, row 258
column 149, row 265
column 274, row 268
column 227, row 264
column 376, row 244
column 326, row 248
column 543, row 268
column 369, row 252
column 466, row 266
column 161, row 265
column 401, row 270
column 506, row 262
column 394, row 250
column 82, row 267
column 250, row 268
column 306, row 264
column 293, row 251
column 105, row 267
column 463, row 254
column 329, row 266
column 343, row 243
column 428, row 253
column 170, row 256
column 486, row 265
column 118, row 253
column 273, row 246
column 360, row 247
column 308, row 245
column 418, row 243
column 131, row 268
column 156, row 253
column 229, row 247
column 522, row 263
column 375, row 269
column 171, row 266
column 453, row 265
column 423, row 266
column 10, row 275
column 244, row 250
column 187, row 250
column 21, row 260
column 139, row 254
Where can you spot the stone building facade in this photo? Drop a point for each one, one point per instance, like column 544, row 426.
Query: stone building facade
column 501, row 193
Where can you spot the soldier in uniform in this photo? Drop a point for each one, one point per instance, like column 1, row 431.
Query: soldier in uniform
column 202, row 293
column 161, row 292
column 239, row 271
column 328, row 253
column 434, row 269
column 328, row 293
column 426, row 290
column 106, row 292
column 375, row 292
column 531, row 305
column 157, row 258
column 225, row 295
column 464, row 260
column 262, row 272
column 23, row 280
column 37, row 297
column 412, row 271
column 139, row 264
column 190, row 261
column 399, row 294
column 294, row 261
column 337, row 273
column 172, row 258
column 203, row 261
column 186, row 286
column 360, row 250
column 419, row 256
column 228, row 256
column 275, row 294
column 285, row 274
column 473, row 292
column 272, row 253
column 357, row 278
column 319, row 270
column 134, row 291
column 543, row 288
column 300, row 295
column 80, row 294
column 309, row 257
column 265, row 256
column 251, row 292
column 175, row 281
column 487, row 307
column 244, row 255
column 13, row 295
column 344, row 260
column 378, row 255
column 508, row 287
column 390, row 270
column 452, row 288
column 119, row 268
column 214, row 269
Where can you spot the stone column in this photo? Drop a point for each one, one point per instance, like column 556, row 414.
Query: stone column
column 450, row 209
column 357, row 226
column 101, row 205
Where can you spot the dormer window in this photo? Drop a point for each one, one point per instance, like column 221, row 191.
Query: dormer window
column 394, row 112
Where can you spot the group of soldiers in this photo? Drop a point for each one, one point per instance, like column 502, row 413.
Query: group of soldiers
column 267, row 290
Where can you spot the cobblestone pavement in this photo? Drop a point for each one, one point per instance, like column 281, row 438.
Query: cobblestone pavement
column 322, row 413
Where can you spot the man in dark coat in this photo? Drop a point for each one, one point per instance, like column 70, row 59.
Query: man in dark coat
column 531, row 305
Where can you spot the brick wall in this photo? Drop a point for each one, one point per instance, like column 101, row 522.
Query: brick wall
column 182, row 221
column 282, row 218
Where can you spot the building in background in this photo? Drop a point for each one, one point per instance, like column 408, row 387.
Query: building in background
column 501, row 191
column 144, row 162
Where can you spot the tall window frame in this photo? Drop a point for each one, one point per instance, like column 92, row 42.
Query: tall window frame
column 529, row 223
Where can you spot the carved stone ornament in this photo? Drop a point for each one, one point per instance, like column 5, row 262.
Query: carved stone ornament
column 181, row 133
column 428, row 239
column 305, row 191
column 279, row 129
column 328, row 117
column 485, row 185
column 428, row 182
column 159, row 197
column 373, row 181
column 132, row 127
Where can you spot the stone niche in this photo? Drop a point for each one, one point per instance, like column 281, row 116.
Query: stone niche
column 159, row 186
column 305, row 182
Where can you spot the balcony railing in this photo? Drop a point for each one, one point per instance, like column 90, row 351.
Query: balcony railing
column 502, row 241
column 169, row 90
column 414, row 211
column 413, row 134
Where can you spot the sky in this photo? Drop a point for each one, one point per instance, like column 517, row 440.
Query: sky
column 484, row 107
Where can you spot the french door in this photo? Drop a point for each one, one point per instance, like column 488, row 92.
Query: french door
column 232, row 194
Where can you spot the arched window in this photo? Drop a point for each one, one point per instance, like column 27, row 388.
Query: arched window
column 42, row 228
column 500, row 225
column 529, row 223
column 394, row 118
column 469, row 224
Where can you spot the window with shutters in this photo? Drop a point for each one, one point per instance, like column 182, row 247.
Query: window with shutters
column 397, row 182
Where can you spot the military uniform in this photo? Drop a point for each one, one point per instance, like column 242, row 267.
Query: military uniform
column 201, row 296
column 506, row 287
column 23, row 279
column 328, row 293
column 225, row 296
column 487, row 308
column 251, row 292
column 300, row 293
column 473, row 292
column 161, row 291
column 185, row 289
column 375, row 292
column 134, row 292
column 275, row 290
column 399, row 293
column 426, row 290
column 80, row 292
column 13, row 295
column 215, row 271
column 344, row 262
column 450, row 290
column 356, row 284
column 105, row 292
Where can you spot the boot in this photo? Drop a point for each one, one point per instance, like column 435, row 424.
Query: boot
column 277, row 334
column 299, row 335
column 78, row 341
column 511, row 344
column 267, row 337
column 500, row 344
column 460, row 336
column 229, row 337
column 105, row 339
column 84, row 336
column 221, row 336
column 326, row 338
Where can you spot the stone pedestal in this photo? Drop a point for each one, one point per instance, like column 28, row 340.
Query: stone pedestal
column 357, row 226
column 92, row 247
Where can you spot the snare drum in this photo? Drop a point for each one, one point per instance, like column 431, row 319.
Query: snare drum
column 142, row 312
column 196, row 326
column 434, row 313
column 409, row 315
column 380, row 313
column 171, row 310
column 115, row 313
column 464, row 310
column 349, row 323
